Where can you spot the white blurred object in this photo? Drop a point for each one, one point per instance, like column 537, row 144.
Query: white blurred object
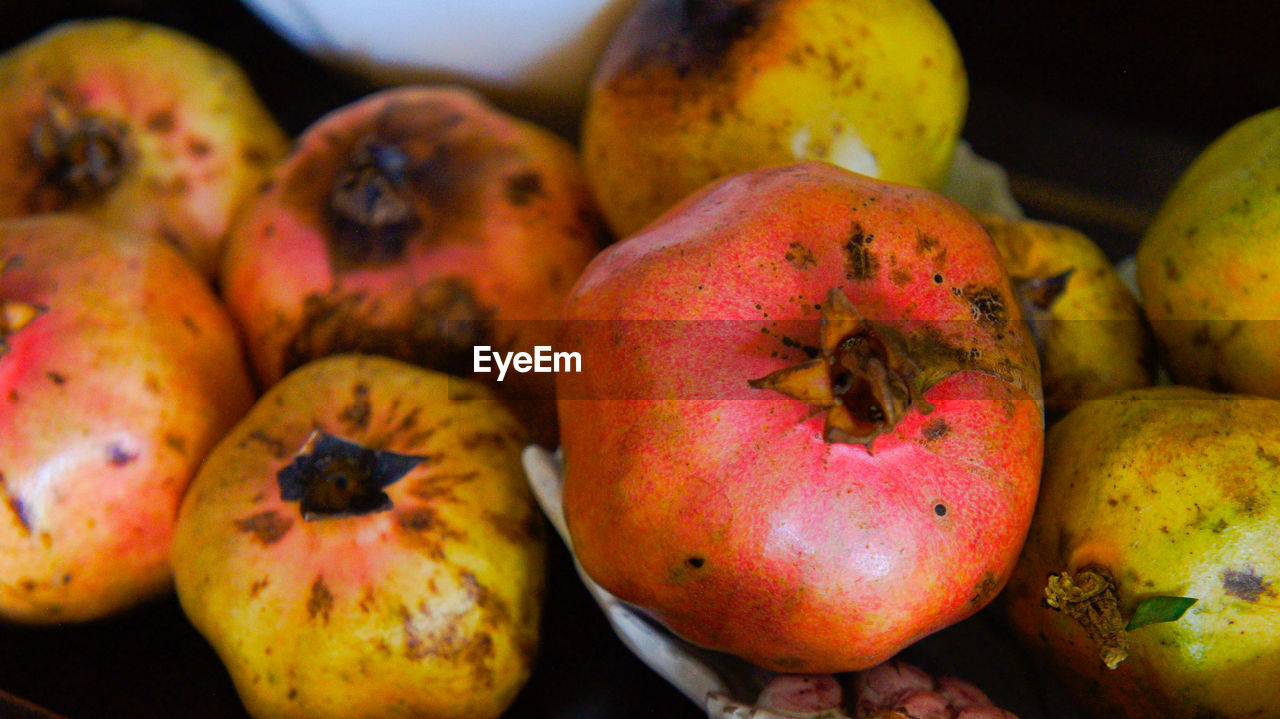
column 535, row 58
column 980, row 184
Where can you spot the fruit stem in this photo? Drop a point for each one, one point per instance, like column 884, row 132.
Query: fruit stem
column 865, row 376
column 1089, row 597
column 333, row 477
column 371, row 202
column 82, row 155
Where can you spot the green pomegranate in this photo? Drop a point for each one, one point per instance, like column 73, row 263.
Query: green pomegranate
column 1156, row 502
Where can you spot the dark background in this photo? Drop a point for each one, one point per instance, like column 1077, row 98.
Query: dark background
column 1093, row 107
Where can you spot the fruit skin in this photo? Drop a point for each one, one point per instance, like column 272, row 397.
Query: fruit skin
column 111, row 399
column 428, row 609
column 1171, row 489
column 1091, row 335
column 1207, row 264
column 686, row 93
column 502, row 224
column 197, row 140
column 761, row 539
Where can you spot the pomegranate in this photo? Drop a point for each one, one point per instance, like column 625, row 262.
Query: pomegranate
column 137, row 125
column 119, row 370
column 416, row 223
column 808, row 429
column 363, row 544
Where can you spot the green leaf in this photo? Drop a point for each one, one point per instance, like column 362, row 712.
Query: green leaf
column 1159, row 609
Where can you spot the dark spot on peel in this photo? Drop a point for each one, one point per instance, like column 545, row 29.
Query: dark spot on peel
column 320, row 603
column 695, row 562
column 198, row 147
column 176, row 442
column 161, row 120
column 986, row 306
column 524, row 187
column 688, row 37
column 56, row 377
column 358, row 413
column 935, row 429
column 273, row 444
column 267, row 527
column 800, row 257
column 437, row 328
column 1246, row 584
column 256, row 588
column 256, row 155
column 986, row 589
column 860, row 262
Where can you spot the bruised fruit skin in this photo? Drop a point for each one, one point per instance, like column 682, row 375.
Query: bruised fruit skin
column 137, row 125
column 416, row 223
column 1207, row 264
column 426, row 604
column 688, row 92
column 119, row 370
column 1088, row 326
column 804, row 535
column 1164, row 491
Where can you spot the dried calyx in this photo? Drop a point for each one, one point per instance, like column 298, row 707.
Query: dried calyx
column 82, row 154
column 333, row 477
column 1036, row 296
column 371, row 202
column 1089, row 597
column 864, row 377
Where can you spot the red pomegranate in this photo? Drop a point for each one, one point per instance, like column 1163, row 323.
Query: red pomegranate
column 808, row 428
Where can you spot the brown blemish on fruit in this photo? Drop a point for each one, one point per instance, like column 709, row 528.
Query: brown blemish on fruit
column 521, row 531
column 688, row 39
column 161, row 120
column 926, row 243
column 986, row 306
column 860, row 262
column 256, row 588
column 56, row 377
column 1267, row 457
column 198, row 147
column 1246, row 584
column 357, row 414
column 900, row 277
column 524, row 187
column 429, row 530
column 935, row 429
column 257, row 156
column 1171, row 270
column 800, row 257
column 320, row 602
column 985, row 590
column 440, row 486
column 176, row 442
column 267, row 527
column 273, row 445
column 437, row 327
column 492, row 440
